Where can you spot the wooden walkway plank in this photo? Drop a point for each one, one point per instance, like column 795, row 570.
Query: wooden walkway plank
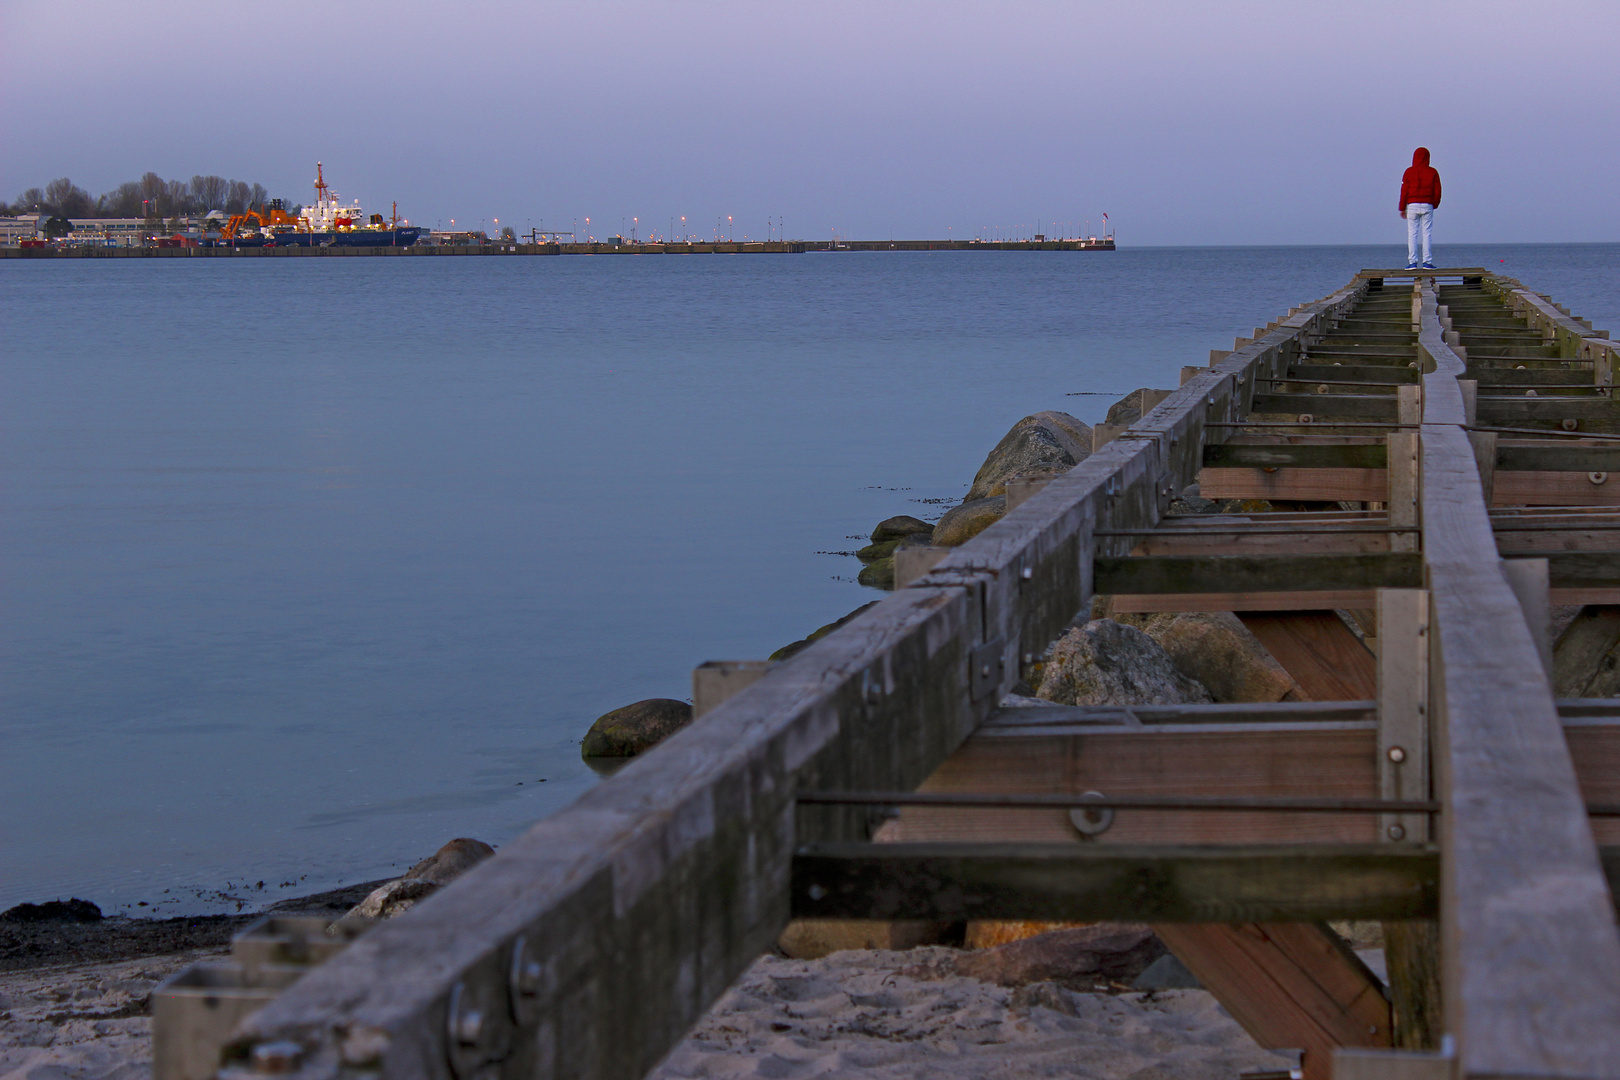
column 1531, row 957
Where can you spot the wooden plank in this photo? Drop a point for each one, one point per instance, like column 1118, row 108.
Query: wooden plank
column 1290, row 985
column 1092, row 882
column 1322, row 654
column 1315, row 484
column 1530, row 954
column 1277, row 573
column 1360, row 456
column 1403, row 487
column 1314, row 600
column 1535, row 488
column 1236, row 542
column 1322, row 759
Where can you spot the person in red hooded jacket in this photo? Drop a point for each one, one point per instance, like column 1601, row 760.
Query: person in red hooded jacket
column 1420, row 195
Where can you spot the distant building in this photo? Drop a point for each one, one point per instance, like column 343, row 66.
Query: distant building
column 109, row 232
column 23, row 227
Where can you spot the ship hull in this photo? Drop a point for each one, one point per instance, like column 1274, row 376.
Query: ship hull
column 358, row 238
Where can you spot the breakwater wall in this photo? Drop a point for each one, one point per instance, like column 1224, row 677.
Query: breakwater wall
column 794, row 247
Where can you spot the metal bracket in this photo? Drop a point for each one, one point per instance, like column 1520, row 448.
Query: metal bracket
column 985, row 665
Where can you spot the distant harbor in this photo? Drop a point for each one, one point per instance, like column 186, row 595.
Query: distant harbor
column 612, row 246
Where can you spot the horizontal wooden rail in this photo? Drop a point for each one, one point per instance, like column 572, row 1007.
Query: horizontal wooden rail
column 1271, row 883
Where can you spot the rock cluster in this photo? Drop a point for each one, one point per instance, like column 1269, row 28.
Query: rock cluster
column 890, row 534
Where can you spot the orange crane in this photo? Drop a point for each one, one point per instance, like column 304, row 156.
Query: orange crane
column 265, row 217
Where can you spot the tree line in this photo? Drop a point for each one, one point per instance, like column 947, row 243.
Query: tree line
column 149, row 197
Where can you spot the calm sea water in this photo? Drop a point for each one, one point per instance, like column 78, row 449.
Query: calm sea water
column 307, row 566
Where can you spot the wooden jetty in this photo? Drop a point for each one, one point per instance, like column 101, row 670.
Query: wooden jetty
column 1442, row 451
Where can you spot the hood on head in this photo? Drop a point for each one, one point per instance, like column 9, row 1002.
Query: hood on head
column 1420, row 156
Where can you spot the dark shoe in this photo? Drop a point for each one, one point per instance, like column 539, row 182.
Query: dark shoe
column 1428, row 266
column 1411, row 266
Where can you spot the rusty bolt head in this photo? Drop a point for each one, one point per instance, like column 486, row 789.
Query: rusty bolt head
column 1397, row 832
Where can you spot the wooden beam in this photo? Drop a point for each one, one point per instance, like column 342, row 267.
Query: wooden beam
column 1277, row 573
column 1322, row 654
column 1359, row 456
column 1312, row 600
column 1290, row 985
column 1585, row 663
column 1315, row 484
column 1084, row 882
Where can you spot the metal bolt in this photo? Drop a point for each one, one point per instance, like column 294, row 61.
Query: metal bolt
column 1029, row 658
column 1304, row 418
column 469, row 1026
column 1322, row 388
column 277, row 1057
column 528, row 977
column 985, row 671
column 1397, row 754
column 1529, row 393
column 1397, row 832
column 1028, row 573
column 1597, row 477
column 817, row 892
column 1567, row 425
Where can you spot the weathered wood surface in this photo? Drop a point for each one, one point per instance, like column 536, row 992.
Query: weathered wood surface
column 1530, row 954
column 1085, row 882
column 1265, row 573
column 1291, row 985
column 1322, row 654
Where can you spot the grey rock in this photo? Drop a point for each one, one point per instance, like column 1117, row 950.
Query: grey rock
column 1127, row 410
column 899, row 527
column 424, row 879
column 1166, row 973
column 1042, row 438
column 968, row 520
column 1216, row 649
column 804, row 643
column 635, row 729
column 1109, row 663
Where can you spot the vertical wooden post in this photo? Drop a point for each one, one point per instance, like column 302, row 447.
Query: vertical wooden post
column 1401, row 464
column 1528, row 578
column 1484, row 444
column 1411, row 949
column 1470, row 397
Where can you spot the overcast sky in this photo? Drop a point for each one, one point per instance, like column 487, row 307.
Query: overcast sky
column 1188, row 123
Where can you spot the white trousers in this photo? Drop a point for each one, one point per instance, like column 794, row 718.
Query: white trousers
column 1419, row 231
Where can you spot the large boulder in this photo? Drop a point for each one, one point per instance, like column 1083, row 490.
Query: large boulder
column 1215, row 648
column 1076, row 958
column 804, row 643
column 1110, row 663
column 635, row 729
column 1127, row 410
column 1042, row 438
column 899, row 527
column 424, row 879
column 970, row 519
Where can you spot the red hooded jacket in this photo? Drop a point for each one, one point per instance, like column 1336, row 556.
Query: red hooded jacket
column 1420, row 183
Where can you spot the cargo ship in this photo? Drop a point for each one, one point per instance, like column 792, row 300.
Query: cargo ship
column 328, row 223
